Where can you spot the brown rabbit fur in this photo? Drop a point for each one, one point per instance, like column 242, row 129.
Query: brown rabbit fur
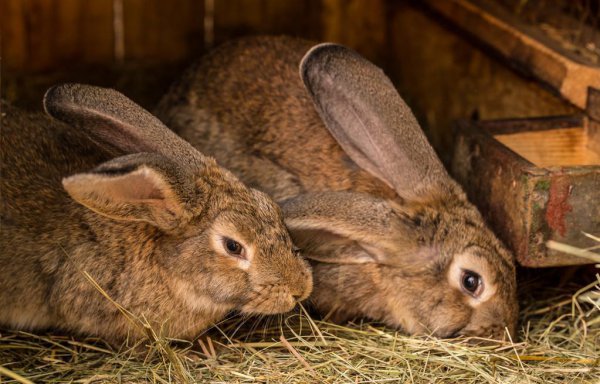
column 149, row 227
column 390, row 235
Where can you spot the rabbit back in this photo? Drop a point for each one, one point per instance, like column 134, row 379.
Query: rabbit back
column 242, row 101
column 49, row 243
column 36, row 211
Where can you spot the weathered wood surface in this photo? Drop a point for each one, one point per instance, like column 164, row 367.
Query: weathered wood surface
column 558, row 147
column 163, row 30
column 42, row 35
column 528, row 205
column 443, row 76
column 569, row 75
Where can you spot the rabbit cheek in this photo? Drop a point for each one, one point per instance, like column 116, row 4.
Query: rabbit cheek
column 339, row 291
column 448, row 314
column 202, row 276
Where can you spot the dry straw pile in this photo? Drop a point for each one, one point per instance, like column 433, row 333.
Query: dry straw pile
column 559, row 342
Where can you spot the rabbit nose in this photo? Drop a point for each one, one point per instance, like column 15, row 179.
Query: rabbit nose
column 301, row 292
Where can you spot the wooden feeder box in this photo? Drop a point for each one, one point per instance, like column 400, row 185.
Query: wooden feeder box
column 536, row 180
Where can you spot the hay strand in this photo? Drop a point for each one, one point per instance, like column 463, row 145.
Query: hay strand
column 559, row 341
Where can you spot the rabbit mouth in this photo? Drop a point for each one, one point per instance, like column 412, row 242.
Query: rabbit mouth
column 485, row 333
column 269, row 299
column 475, row 334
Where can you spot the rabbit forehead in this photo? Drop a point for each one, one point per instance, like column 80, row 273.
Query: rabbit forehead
column 460, row 229
column 256, row 206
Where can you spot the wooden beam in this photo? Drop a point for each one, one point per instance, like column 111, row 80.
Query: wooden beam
column 567, row 74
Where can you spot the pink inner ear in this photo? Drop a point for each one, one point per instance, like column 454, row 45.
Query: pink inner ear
column 139, row 185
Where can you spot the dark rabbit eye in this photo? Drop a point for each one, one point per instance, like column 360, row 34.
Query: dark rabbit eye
column 296, row 251
column 472, row 283
column 233, row 247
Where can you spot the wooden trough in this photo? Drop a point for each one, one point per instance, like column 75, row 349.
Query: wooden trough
column 536, row 180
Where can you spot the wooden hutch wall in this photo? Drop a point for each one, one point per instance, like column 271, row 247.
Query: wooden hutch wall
column 436, row 69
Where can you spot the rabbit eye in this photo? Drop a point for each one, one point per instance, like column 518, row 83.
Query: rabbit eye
column 296, row 251
column 233, row 247
column 472, row 283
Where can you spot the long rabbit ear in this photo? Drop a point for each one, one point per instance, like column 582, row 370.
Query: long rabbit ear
column 112, row 119
column 343, row 227
column 140, row 187
column 366, row 115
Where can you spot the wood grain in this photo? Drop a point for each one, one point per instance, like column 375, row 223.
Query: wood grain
column 41, row 35
column 569, row 75
column 361, row 25
column 235, row 18
column 557, row 147
column 44, row 34
column 163, row 30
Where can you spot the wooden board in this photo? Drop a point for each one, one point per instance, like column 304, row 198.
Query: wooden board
column 163, row 30
column 528, row 205
column 567, row 74
column 234, row 18
column 41, row 34
column 444, row 77
column 551, row 148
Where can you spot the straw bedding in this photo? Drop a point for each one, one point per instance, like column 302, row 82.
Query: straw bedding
column 559, row 342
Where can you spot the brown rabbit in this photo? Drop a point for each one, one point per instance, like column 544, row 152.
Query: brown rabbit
column 166, row 233
column 390, row 235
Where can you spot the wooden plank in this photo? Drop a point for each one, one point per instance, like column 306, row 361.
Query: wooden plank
column 45, row 34
column 592, row 129
column 444, row 77
column 234, row 18
column 12, row 29
column 361, row 25
column 568, row 75
column 552, row 148
column 163, row 30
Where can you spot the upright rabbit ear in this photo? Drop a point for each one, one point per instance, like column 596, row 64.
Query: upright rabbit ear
column 366, row 115
column 139, row 187
column 113, row 120
column 344, row 227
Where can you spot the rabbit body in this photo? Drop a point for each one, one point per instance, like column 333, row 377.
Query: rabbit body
column 389, row 234
column 146, row 227
column 267, row 125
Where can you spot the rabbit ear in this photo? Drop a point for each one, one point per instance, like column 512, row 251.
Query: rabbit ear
column 140, row 187
column 112, row 119
column 368, row 118
column 327, row 247
column 341, row 227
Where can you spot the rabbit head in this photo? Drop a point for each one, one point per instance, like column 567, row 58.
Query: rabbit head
column 232, row 236
column 168, row 233
column 424, row 260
